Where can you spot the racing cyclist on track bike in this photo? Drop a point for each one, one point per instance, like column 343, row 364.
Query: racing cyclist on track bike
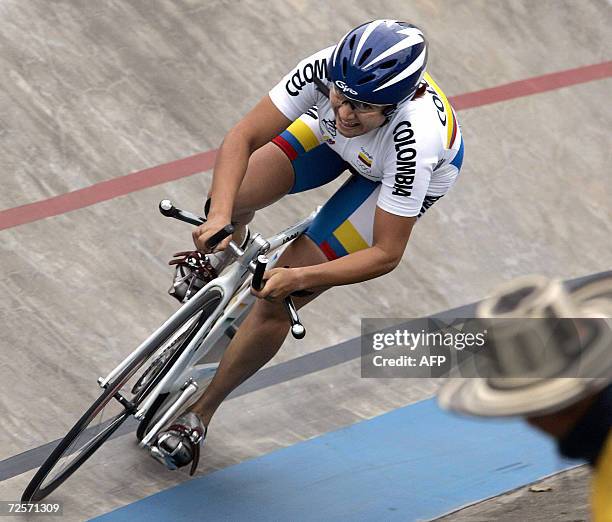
column 365, row 105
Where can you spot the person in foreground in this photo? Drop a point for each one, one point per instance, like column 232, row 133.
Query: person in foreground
column 568, row 393
column 366, row 105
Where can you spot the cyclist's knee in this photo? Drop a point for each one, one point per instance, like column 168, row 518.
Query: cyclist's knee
column 268, row 177
column 243, row 218
column 265, row 312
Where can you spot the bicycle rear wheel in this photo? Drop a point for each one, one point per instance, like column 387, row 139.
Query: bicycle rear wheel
column 100, row 421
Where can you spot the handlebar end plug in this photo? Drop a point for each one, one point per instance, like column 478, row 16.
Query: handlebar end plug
column 166, row 207
column 298, row 331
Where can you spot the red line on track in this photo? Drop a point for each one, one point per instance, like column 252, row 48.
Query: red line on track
column 538, row 84
column 105, row 190
column 201, row 162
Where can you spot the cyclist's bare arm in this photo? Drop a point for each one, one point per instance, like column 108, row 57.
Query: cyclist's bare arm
column 257, row 128
column 391, row 234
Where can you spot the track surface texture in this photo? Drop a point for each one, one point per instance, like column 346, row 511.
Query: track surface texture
column 92, row 91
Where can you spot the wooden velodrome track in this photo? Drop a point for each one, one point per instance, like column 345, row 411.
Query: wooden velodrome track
column 90, row 92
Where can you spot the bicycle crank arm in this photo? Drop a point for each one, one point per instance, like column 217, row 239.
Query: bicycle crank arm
column 190, row 388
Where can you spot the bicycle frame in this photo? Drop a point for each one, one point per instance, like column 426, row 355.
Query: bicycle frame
column 185, row 376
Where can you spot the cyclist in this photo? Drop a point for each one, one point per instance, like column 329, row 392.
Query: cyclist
column 365, row 105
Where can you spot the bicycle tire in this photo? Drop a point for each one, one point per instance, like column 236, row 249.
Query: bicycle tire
column 34, row 491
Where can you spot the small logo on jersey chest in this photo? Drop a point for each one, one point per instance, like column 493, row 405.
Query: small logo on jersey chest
column 328, row 128
column 365, row 157
column 364, row 161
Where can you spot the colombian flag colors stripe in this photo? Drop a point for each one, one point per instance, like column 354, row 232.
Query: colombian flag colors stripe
column 350, row 238
column 297, row 139
column 286, row 147
column 328, row 251
column 364, row 159
column 303, row 134
column 451, row 130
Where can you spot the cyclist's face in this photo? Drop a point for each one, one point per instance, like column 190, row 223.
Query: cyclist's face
column 355, row 118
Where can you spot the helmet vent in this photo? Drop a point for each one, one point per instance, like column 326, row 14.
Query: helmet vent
column 388, row 64
column 366, row 79
column 352, row 42
column 344, row 66
column 364, row 56
column 386, row 77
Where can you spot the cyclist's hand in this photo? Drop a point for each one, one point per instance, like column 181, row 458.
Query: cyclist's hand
column 280, row 282
column 204, row 232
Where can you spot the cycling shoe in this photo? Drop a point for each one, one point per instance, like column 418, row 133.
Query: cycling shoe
column 179, row 445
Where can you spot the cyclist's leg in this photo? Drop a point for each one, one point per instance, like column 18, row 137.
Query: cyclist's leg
column 265, row 328
column 260, row 336
column 257, row 340
column 294, row 161
column 343, row 225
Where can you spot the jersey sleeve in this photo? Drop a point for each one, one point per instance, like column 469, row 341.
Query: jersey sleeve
column 296, row 92
column 408, row 166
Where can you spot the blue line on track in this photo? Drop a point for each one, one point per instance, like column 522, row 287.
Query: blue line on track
column 413, row 463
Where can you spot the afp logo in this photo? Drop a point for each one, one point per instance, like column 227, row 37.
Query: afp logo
column 345, row 88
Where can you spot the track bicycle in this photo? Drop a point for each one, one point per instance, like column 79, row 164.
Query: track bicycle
column 177, row 372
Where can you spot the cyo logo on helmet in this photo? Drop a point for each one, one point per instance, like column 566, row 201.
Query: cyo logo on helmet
column 345, row 88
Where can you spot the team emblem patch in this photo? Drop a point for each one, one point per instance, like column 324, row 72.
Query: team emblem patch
column 364, row 161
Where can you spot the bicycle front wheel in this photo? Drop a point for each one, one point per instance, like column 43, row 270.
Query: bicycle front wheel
column 166, row 359
column 100, row 421
column 85, row 437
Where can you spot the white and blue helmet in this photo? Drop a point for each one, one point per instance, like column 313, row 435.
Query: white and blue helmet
column 380, row 62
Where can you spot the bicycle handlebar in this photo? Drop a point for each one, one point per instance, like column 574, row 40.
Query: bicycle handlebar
column 216, row 238
column 167, row 208
column 297, row 328
column 260, row 268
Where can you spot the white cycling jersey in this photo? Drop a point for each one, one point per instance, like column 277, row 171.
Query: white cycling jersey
column 416, row 155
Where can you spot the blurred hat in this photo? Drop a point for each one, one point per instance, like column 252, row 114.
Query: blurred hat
column 519, row 383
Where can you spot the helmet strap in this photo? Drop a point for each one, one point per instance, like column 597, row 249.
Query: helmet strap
column 321, row 86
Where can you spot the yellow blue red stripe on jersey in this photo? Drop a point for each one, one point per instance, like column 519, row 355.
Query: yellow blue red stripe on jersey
column 344, row 223
column 336, row 227
column 451, row 130
column 297, row 139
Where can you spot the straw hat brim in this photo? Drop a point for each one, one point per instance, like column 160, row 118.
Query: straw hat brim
column 480, row 396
